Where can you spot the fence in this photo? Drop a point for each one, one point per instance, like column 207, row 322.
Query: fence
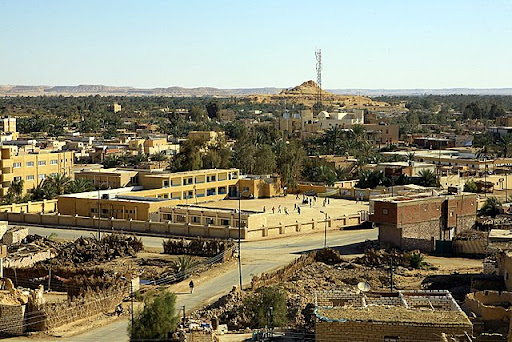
column 44, row 206
column 179, row 229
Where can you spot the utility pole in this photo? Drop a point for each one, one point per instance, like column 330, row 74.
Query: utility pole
column 325, row 229
column 239, row 235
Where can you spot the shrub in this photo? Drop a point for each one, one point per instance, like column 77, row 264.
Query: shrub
column 416, row 260
column 158, row 318
column 257, row 307
column 470, row 186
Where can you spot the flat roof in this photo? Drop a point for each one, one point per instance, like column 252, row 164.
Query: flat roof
column 94, row 194
column 214, row 209
column 187, row 173
column 391, row 313
column 500, row 234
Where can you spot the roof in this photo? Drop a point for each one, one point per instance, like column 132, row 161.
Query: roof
column 385, row 313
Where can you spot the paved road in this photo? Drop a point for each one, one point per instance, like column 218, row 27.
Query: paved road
column 257, row 257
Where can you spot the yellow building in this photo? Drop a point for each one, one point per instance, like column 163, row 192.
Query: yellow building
column 157, row 190
column 195, row 214
column 261, row 186
column 32, row 168
column 109, row 178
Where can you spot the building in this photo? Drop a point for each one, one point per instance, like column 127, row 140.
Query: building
column 381, row 135
column 261, row 186
column 155, row 190
column 195, row 214
column 388, row 316
column 32, row 167
column 109, row 178
column 397, row 169
column 420, row 221
column 8, row 125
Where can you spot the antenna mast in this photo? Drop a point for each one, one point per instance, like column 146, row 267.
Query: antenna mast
column 318, row 55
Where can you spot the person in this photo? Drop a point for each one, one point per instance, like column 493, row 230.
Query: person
column 298, row 209
column 191, row 285
column 119, row 309
column 264, row 209
column 273, row 210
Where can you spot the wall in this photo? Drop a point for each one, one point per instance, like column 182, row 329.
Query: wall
column 378, row 331
column 45, row 206
column 12, row 319
column 180, row 229
column 52, row 315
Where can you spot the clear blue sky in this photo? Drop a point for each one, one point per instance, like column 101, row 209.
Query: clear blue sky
column 230, row 44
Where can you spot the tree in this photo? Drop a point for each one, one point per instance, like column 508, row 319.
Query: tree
column 80, row 185
column 60, row 183
column 290, row 158
column 44, row 190
column 265, row 160
column 159, row 157
column 491, row 207
column 470, row 186
column 258, row 306
column 428, row 179
column 212, row 108
column 157, row 320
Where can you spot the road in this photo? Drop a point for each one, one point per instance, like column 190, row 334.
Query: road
column 257, row 257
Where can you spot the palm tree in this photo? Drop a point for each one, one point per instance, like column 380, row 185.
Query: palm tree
column 60, row 183
column 503, row 145
column 428, row 179
column 17, row 187
column 159, row 157
column 45, row 190
column 491, row 207
column 80, row 185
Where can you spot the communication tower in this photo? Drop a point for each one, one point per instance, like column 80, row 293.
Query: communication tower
column 318, row 55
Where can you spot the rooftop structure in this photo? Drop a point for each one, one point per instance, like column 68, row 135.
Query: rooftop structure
column 388, row 316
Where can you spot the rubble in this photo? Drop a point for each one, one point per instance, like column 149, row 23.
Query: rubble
column 87, row 249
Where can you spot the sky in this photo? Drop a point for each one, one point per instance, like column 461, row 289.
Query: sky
column 245, row 44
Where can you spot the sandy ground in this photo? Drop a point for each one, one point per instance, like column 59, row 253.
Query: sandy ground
column 335, row 208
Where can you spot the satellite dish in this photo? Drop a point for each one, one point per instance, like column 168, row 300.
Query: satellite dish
column 363, row 286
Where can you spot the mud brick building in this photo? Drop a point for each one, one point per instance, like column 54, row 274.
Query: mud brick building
column 417, row 222
column 422, row 316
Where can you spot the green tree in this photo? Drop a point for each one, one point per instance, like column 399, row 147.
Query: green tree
column 470, row 186
column 157, row 320
column 428, row 178
column 60, row 183
column 158, row 157
column 265, row 160
column 80, row 185
column 258, row 306
column 290, row 158
column 491, row 207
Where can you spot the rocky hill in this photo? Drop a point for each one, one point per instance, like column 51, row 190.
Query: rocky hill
column 306, row 94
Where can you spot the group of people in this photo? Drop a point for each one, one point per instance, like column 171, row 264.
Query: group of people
column 305, row 200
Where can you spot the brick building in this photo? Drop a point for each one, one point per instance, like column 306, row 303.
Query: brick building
column 417, row 222
column 384, row 316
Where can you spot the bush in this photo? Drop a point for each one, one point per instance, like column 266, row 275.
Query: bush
column 470, row 186
column 416, row 260
column 158, row 318
column 257, row 307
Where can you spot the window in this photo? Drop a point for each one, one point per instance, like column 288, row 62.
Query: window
column 209, row 220
column 54, row 162
column 385, row 211
column 390, row 338
column 93, row 210
column 54, row 174
column 41, row 176
column 41, row 163
column 16, row 165
column 166, row 183
column 30, row 177
column 180, row 218
column 225, row 222
column 29, row 164
column 17, row 178
column 195, row 219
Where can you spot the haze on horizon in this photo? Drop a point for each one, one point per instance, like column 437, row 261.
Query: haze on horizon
column 240, row 44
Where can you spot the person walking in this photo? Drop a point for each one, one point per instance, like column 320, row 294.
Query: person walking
column 191, row 285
